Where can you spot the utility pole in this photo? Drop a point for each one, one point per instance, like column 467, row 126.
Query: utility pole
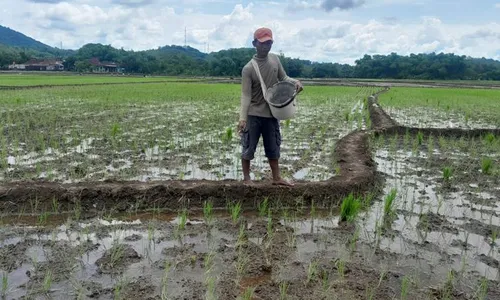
column 185, row 37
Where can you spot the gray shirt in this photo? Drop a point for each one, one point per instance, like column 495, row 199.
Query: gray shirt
column 252, row 98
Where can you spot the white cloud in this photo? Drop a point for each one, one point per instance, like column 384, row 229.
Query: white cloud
column 497, row 5
column 337, row 36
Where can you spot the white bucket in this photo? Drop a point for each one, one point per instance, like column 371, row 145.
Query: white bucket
column 281, row 98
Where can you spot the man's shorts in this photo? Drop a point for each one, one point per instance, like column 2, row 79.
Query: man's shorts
column 269, row 128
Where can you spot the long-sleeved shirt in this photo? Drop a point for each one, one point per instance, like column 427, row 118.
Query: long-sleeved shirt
column 252, row 98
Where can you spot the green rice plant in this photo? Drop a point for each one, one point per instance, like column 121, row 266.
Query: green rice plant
column 248, row 293
column 235, row 211
column 482, row 290
column 42, row 218
column 389, row 203
column 447, row 173
column 263, row 206
column 228, row 135
column 405, row 285
column 208, row 261
column 210, row 283
column 117, row 291
column 313, row 212
column 287, row 123
column 449, row 286
column 47, row 281
column 183, row 216
column 283, row 290
column 420, row 138
column 312, row 271
column 494, row 235
column 164, row 281
column 490, row 138
column 5, row 284
column 242, row 237
column 117, row 252
column 340, row 265
column 486, row 165
column 242, row 263
column 349, row 208
column 55, row 205
column 208, row 212
column 115, row 130
column 354, row 239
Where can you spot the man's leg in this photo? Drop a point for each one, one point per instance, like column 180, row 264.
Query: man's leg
column 271, row 135
column 249, row 141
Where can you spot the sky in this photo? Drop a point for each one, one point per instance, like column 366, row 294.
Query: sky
column 318, row 30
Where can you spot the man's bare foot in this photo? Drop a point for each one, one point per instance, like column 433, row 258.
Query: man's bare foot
column 248, row 182
column 282, row 182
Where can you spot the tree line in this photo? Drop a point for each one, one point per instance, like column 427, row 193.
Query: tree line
column 187, row 61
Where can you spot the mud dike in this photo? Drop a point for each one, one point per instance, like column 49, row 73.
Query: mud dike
column 358, row 175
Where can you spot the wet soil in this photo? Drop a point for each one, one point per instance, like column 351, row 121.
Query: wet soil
column 431, row 250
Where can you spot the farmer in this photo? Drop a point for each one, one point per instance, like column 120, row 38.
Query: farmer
column 255, row 115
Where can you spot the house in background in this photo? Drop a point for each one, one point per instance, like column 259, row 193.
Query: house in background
column 44, row 65
column 15, row 66
column 98, row 66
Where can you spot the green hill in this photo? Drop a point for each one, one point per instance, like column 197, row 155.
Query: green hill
column 13, row 38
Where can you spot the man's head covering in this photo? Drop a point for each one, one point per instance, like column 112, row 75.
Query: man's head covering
column 263, row 35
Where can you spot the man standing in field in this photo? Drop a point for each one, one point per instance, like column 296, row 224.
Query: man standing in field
column 255, row 115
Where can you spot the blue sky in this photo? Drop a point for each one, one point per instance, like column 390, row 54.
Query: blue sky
column 320, row 30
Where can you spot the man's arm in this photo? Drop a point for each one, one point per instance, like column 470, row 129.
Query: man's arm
column 246, row 92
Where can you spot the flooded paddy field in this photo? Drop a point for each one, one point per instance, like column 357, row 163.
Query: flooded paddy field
column 162, row 131
column 428, row 230
column 443, row 107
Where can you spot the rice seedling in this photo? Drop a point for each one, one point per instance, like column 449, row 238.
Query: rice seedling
column 482, row 290
column 340, row 265
column 389, row 203
column 494, row 235
column 486, row 165
column 242, row 262
column 349, row 208
column 405, row 285
column 183, row 216
column 283, row 286
column 42, row 218
column 228, row 135
column 420, row 138
column 208, row 261
column 210, row 293
column 312, row 271
column 449, row 286
column 117, row 291
column 447, row 173
column 263, row 206
column 490, row 138
column 117, row 252
column 55, row 205
column 242, row 236
column 208, row 212
column 248, row 294
column 47, row 281
column 164, row 281
column 5, row 284
column 235, row 211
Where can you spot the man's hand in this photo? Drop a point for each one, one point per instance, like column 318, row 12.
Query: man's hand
column 298, row 86
column 241, row 126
